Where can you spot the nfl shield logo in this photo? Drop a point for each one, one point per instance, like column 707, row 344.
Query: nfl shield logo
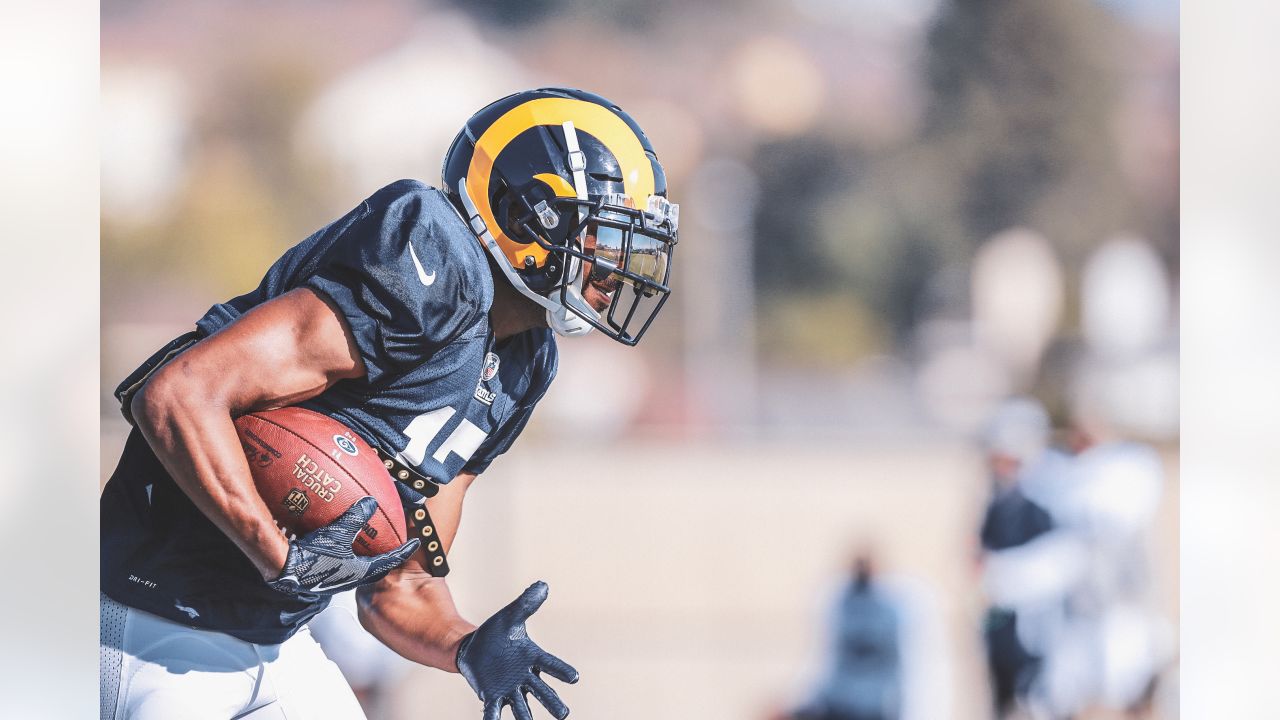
column 296, row 501
column 490, row 367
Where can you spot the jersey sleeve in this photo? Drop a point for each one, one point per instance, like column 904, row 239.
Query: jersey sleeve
column 404, row 279
column 545, row 365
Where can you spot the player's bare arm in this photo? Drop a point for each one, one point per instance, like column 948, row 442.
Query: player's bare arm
column 284, row 351
column 412, row 612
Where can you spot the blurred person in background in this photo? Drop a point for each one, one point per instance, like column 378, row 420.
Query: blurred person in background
column 1019, row 551
column 1065, row 565
column 886, row 657
column 425, row 320
column 1110, row 645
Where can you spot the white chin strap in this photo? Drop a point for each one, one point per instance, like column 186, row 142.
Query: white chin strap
column 566, row 322
column 559, row 318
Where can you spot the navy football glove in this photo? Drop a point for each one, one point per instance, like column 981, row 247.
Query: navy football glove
column 502, row 664
column 323, row 563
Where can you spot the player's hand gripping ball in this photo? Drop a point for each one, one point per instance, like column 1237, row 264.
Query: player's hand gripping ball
column 310, row 469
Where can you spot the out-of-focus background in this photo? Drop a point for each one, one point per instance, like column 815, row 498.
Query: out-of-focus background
column 813, row 495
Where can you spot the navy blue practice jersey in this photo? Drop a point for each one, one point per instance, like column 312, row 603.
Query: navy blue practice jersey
column 415, row 287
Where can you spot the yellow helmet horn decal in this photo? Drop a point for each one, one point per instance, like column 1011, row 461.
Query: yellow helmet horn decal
column 559, row 185
column 593, row 119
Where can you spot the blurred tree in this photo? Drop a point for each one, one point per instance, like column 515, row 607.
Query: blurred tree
column 1020, row 119
column 511, row 13
column 519, row 14
column 1018, row 129
column 799, row 175
column 819, row 253
column 885, row 249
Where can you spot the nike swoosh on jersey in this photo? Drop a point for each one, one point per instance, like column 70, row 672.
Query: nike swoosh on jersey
column 422, row 273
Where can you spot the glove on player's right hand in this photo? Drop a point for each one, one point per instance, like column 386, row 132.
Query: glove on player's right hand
column 323, row 563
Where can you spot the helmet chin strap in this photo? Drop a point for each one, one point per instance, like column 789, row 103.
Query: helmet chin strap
column 577, row 309
column 560, row 319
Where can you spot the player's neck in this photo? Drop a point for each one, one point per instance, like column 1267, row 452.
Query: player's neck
column 513, row 313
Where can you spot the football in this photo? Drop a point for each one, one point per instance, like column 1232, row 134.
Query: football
column 310, row 468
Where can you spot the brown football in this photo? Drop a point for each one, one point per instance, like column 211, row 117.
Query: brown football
column 310, row 468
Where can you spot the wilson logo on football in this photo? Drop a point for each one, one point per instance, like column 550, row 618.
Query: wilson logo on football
column 257, row 450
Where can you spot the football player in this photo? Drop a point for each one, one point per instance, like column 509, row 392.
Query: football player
column 424, row 320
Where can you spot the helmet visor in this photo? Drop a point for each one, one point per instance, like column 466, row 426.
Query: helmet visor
column 624, row 255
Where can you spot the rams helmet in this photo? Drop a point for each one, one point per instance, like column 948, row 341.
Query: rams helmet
column 565, row 192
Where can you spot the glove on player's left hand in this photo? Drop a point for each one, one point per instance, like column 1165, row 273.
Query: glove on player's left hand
column 323, row 563
column 502, row 664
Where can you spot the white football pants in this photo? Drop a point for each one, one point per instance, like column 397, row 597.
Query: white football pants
column 154, row 669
